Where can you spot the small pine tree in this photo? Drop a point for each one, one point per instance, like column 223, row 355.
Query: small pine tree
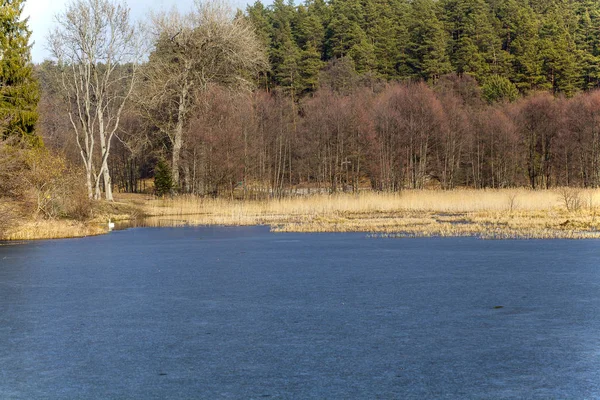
column 19, row 90
column 163, row 180
column 499, row 89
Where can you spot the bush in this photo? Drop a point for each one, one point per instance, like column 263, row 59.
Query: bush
column 571, row 198
column 163, row 180
column 7, row 218
column 41, row 183
column 499, row 89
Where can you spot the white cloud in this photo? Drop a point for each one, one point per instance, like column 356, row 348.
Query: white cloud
column 41, row 15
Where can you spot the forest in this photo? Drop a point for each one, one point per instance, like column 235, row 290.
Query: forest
column 282, row 99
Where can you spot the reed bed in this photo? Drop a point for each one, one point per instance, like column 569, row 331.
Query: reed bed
column 373, row 202
column 505, row 213
column 490, row 214
column 53, row 229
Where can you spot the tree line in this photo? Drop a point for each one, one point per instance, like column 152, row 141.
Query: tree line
column 398, row 136
column 213, row 99
column 509, row 46
column 215, row 104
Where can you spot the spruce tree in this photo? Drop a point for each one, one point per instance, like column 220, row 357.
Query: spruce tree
column 163, row 179
column 19, row 91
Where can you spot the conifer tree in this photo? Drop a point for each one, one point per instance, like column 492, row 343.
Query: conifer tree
column 19, row 91
column 426, row 50
column 163, row 179
column 310, row 67
column 557, row 48
column 522, row 42
column 382, row 30
column 346, row 37
column 260, row 18
column 284, row 53
column 499, row 89
column 310, row 37
column 587, row 38
column 474, row 46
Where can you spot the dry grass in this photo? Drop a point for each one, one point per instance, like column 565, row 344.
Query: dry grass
column 23, row 226
column 53, row 229
column 517, row 213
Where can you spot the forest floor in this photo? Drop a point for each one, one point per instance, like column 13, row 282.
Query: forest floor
column 488, row 214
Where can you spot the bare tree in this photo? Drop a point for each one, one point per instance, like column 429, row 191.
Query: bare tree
column 206, row 46
column 98, row 53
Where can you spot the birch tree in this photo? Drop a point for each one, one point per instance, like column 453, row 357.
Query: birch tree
column 192, row 51
column 98, row 53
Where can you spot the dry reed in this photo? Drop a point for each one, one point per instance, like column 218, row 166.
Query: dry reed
column 506, row 213
column 53, row 229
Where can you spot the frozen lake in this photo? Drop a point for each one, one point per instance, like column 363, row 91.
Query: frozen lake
column 241, row 313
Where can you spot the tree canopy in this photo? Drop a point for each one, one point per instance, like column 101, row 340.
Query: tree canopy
column 550, row 45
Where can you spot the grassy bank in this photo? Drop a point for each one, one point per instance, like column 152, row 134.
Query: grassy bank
column 509, row 213
column 22, row 225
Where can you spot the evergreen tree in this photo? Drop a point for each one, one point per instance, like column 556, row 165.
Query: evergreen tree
column 587, row 39
column 19, row 91
column 310, row 38
column 426, row 49
column 522, row 42
column 163, row 180
column 535, row 44
column 284, row 53
column 260, row 17
column 499, row 89
column 346, row 37
column 474, row 46
column 310, row 67
column 558, row 50
column 401, row 14
column 383, row 31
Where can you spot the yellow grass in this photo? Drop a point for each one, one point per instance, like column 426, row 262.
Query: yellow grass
column 508, row 213
column 484, row 213
column 53, row 229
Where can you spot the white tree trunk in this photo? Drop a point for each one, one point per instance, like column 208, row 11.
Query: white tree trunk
column 177, row 136
column 100, row 52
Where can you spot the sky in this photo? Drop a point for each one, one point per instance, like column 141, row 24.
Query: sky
column 41, row 15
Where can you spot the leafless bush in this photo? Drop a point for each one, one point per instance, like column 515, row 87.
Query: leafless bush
column 571, row 198
column 7, row 218
column 41, row 183
column 54, row 189
column 512, row 201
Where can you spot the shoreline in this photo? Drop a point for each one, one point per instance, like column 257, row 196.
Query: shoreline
column 486, row 214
